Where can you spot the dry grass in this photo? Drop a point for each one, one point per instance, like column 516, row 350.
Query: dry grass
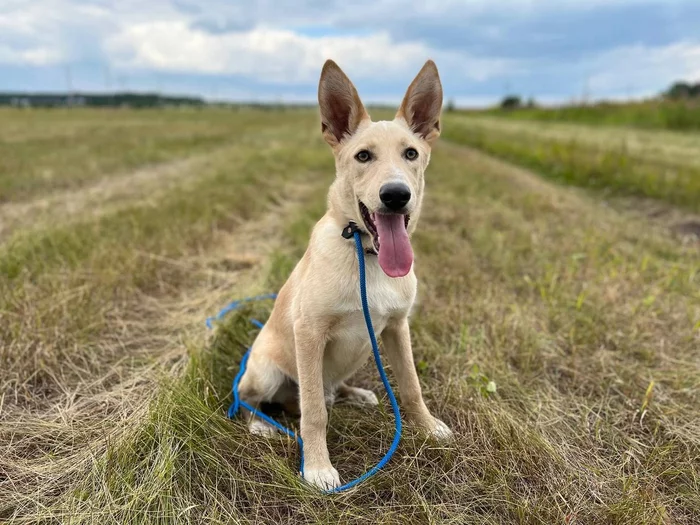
column 58, row 149
column 586, row 318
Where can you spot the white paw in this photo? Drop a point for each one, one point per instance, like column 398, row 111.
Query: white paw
column 324, row 479
column 258, row 427
column 441, row 431
column 360, row 396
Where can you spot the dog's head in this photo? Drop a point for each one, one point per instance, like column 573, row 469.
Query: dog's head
column 380, row 165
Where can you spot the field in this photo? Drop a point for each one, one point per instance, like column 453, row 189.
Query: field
column 573, row 288
column 653, row 114
column 663, row 165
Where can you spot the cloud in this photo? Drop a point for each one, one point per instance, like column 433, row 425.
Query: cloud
column 274, row 55
column 548, row 48
column 281, row 56
column 33, row 56
column 545, row 30
column 626, row 69
column 21, row 42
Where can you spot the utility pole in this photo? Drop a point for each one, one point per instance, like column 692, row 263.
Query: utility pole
column 586, row 95
column 69, row 85
column 108, row 86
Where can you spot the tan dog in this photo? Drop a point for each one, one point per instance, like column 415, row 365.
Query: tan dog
column 316, row 336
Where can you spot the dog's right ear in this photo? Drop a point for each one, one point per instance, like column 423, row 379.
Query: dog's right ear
column 422, row 104
column 341, row 108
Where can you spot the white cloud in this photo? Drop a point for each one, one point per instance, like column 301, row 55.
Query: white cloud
column 34, row 57
column 161, row 36
column 273, row 55
column 21, row 43
column 279, row 55
column 633, row 69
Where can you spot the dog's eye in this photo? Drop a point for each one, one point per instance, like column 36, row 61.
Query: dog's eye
column 363, row 156
column 410, row 154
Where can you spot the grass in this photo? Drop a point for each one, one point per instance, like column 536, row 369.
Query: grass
column 56, row 149
column 653, row 114
column 559, row 337
column 656, row 165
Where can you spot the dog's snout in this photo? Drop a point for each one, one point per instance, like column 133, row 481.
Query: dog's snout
column 395, row 195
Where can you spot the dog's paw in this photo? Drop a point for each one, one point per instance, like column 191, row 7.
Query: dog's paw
column 441, row 431
column 358, row 396
column 323, row 479
column 258, row 427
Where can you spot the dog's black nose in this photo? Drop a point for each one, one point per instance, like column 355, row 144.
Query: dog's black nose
column 395, row 195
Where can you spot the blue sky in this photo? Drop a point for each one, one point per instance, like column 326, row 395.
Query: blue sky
column 554, row 50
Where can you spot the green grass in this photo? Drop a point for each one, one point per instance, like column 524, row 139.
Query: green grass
column 619, row 164
column 673, row 115
column 584, row 318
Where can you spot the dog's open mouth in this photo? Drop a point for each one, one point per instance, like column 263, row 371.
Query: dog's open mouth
column 389, row 232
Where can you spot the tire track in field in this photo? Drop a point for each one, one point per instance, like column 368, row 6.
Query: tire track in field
column 104, row 196
column 113, row 192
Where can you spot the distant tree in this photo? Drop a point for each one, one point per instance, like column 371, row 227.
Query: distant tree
column 679, row 90
column 531, row 103
column 682, row 90
column 511, row 102
column 450, row 106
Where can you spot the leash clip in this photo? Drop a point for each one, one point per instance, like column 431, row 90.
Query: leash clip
column 349, row 230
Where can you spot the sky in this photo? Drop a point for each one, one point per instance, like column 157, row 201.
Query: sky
column 273, row 50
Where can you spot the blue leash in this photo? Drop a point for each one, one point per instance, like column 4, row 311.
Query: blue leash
column 237, row 402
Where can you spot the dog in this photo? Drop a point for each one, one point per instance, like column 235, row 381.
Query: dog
column 316, row 338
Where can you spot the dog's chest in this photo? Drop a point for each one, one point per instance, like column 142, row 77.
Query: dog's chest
column 387, row 298
column 349, row 344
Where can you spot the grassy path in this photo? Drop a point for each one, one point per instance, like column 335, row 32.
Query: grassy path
column 586, row 318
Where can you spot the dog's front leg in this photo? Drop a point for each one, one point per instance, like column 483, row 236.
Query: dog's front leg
column 397, row 343
column 310, row 342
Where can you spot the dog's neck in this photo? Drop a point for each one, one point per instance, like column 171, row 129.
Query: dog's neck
column 340, row 209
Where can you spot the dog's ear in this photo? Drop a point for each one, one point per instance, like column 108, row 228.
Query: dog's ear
column 422, row 103
column 341, row 108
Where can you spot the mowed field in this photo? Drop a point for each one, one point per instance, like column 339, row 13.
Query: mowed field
column 574, row 289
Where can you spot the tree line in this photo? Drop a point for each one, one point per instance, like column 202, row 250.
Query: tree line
column 678, row 91
column 132, row 100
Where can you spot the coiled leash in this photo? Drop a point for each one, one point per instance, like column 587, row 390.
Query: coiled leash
column 351, row 230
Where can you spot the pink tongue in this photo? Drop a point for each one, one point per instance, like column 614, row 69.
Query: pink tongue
column 395, row 253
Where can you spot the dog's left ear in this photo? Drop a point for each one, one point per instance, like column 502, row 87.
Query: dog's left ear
column 422, row 103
